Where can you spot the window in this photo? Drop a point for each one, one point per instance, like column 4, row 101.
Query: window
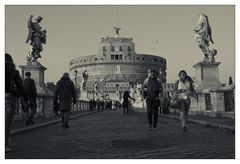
column 112, row 57
column 120, row 48
column 120, row 57
column 104, row 49
column 142, row 58
column 129, row 48
column 155, row 59
column 95, row 58
column 116, row 57
column 112, row 48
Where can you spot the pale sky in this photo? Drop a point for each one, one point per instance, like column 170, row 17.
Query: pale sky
column 76, row 31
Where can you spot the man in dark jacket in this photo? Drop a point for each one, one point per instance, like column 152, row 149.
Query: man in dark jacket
column 126, row 97
column 30, row 89
column 152, row 88
column 65, row 95
column 13, row 90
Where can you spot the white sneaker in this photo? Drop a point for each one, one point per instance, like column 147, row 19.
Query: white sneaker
column 7, row 149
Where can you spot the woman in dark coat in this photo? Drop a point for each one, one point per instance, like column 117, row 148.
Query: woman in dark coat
column 65, row 95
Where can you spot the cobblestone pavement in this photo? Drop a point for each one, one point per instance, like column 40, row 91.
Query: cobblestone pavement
column 109, row 134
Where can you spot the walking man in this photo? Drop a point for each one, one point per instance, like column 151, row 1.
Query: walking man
column 183, row 91
column 126, row 97
column 30, row 89
column 152, row 87
column 65, row 95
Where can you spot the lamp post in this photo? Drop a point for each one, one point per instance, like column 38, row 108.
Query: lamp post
column 76, row 73
column 117, row 91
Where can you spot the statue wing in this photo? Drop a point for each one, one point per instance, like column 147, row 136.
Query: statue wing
column 29, row 25
column 209, row 31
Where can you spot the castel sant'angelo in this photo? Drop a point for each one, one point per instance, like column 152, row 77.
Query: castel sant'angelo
column 116, row 67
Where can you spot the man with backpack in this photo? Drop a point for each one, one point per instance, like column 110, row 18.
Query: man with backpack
column 152, row 87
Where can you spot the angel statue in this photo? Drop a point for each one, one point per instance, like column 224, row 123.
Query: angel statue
column 203, row 38
column 85, row 78
column 117, row 29
column 36, row 36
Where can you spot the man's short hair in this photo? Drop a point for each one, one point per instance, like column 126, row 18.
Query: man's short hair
column 28, row 74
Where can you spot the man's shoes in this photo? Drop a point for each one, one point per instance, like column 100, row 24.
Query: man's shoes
column 150, row 128
column 32, row 122
column 154, row 128
column 7, row 149
column 27, row 122
column 184, row 129
column 66, row 125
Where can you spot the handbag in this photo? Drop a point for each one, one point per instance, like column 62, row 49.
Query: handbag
column 175, row 103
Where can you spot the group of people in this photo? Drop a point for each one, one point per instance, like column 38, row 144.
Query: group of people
column 156, row 98
column 100, row 104
column 17, row 90
column 65, row 96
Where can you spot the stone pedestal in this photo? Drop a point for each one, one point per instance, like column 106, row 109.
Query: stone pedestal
column 201, row 106
column 207, row 76
column 83, row 95
column 217, row 101
column 37, row 73
column 44, row 95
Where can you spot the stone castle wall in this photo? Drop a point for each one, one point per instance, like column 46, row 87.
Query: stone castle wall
column 116, row 60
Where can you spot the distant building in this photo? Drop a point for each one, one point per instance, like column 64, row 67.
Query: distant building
column 115, row 67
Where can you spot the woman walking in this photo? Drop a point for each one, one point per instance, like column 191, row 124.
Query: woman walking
column 183, row 91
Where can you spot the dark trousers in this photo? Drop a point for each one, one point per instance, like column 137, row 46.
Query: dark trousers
column 31, row 109
column 185, row 104
column 10, row 107
column 125, row 110
column 65, row 116
column 152, row 111
column 125, row 107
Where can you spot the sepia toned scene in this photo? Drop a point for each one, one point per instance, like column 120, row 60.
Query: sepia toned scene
column 120, row 82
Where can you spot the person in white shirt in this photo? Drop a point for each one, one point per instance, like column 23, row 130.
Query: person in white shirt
column 183, row 89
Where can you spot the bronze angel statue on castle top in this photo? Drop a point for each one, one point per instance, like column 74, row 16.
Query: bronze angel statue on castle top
column 36, row 37
column 203, row 37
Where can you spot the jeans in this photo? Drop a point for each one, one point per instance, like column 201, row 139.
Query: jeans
column 125, row 110
column 152, row 111
column 65, row 116
column 185, row 104
column 10, row 107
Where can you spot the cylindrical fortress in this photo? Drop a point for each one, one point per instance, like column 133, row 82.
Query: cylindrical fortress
column 116, row 61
